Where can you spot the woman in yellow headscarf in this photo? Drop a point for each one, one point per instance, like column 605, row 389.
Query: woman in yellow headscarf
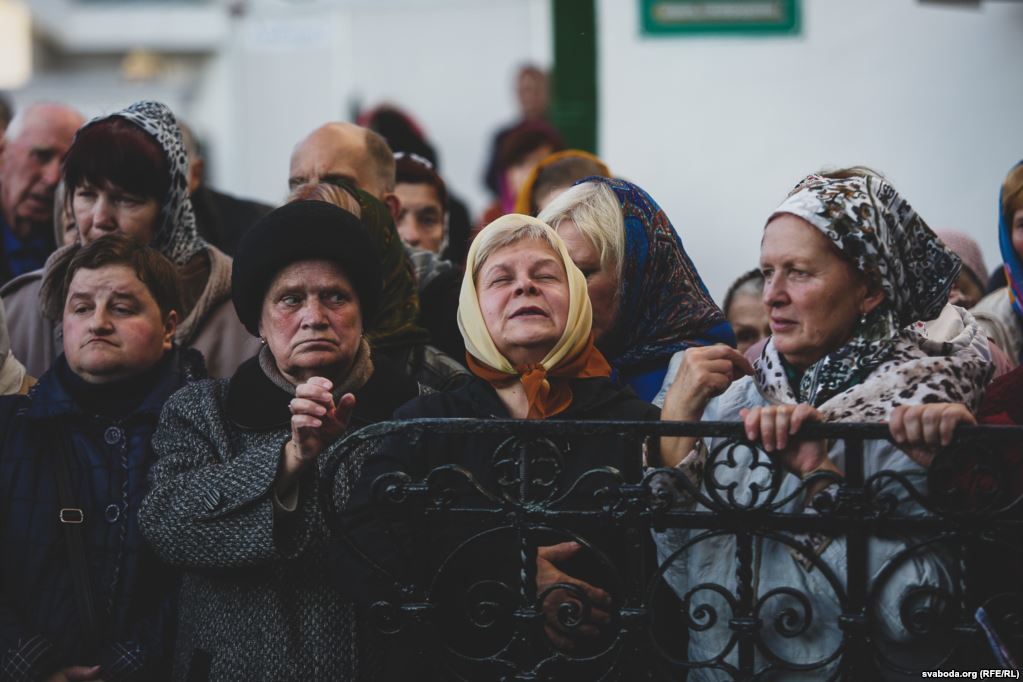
column 526, row 319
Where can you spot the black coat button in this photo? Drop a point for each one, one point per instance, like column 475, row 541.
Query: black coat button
column 113, row 435
column 113, row 512
column 212, row 499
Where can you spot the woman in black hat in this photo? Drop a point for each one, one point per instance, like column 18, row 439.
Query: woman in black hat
column 235, row 499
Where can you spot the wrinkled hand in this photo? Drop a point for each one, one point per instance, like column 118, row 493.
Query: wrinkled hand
column 548, row 575
column 774, row 428
column 922, row 430
column 74, row 673
column 316, row 421
column 705, row 372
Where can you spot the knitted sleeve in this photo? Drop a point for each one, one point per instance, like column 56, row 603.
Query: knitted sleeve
column 211, row 501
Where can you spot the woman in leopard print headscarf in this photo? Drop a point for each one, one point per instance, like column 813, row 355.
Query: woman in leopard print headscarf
column 128, row 173
column 852, row 273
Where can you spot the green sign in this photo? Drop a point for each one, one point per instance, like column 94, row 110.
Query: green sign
column 665, row 17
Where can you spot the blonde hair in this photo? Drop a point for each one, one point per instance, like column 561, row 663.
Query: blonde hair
column 1012, row 192
column 331, row 194
column 495, row 237
column 595, row 210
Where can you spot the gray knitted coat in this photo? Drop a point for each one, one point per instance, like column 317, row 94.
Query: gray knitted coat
column 256, row 602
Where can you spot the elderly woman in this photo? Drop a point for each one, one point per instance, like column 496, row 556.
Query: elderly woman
column 128, row 173
column 394, row 331
column 851, row 271
column 526, row 319
column 235, row 499
column 85, row 598
column 648, row 300
column 1000, row 313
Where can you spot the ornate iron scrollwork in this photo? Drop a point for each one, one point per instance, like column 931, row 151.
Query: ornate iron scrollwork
column 856, row 575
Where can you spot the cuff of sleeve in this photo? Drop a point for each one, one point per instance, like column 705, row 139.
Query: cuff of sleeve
column 241, row 481
column 288, row 503
column 27, row 661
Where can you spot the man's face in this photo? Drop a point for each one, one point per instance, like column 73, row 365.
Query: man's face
column 30, row 168
column 335, row 154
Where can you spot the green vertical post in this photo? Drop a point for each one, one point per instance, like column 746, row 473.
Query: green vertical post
column 574, row 78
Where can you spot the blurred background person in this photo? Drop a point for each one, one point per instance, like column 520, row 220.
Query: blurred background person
column 648, row 299
column 520, row 149
column 404, row 134
column 6, row 114
column 33, row 149
column 422, row 219
column 532, row 95
column 1000, row 313
column 220, row 218
column 744, row 307
column 80, row 443
column 236, row 489
column 65, row 231
column 127, row 173
column 14, row 380
column 969, row 288
column 553, row 175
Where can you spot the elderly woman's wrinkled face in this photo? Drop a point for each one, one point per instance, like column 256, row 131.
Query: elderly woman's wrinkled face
column 113, row 328
column 814, row 296
column 523, row 294
column 601, row 281
column 311, row 321
column 106, row 209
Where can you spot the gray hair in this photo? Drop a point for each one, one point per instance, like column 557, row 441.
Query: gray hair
column 497, row 237
column 593, row 208
column 382, row 159
column 750, row 283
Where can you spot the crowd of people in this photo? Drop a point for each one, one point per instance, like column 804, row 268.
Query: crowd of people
column 178, row 365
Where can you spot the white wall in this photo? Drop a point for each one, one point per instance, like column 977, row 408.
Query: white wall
column 289, row 68
column 285, row 67
column 717, row 129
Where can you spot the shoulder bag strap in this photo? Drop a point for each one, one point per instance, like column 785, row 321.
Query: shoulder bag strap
column 72, row 518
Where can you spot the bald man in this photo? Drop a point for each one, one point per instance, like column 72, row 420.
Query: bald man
column 33, row 148
column 338, row 153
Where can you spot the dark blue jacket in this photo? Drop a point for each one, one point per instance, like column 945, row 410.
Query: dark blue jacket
column 109, row 460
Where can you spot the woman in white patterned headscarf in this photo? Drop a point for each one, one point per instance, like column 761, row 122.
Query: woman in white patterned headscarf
column 851, row 275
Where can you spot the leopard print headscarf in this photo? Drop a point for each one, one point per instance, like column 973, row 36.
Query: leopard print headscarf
column 176, row 235
column 888, row 242
column 946, row 361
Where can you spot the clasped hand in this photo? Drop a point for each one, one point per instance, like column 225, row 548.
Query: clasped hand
column 316, row 421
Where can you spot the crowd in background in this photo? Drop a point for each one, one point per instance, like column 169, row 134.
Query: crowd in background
column 178, row 364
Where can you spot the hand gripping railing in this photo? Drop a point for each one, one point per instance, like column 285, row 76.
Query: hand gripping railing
column 883, row 572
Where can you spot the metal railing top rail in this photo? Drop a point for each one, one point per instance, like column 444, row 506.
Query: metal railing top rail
column 523, row 427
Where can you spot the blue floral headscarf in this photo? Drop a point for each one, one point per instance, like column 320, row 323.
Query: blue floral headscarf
column 1013, row 263
column 664, row 305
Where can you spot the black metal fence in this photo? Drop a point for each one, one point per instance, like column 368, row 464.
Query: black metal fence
column 730, row 571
